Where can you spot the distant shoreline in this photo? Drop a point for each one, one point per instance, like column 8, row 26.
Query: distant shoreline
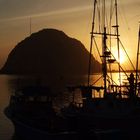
column 127, row 71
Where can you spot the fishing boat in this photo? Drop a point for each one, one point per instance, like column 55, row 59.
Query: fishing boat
column 32, row 113
column 108, row 107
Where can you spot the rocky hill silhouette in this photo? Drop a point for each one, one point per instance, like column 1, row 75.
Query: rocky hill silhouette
column 49, row 51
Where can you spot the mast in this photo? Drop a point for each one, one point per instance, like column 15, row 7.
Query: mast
column 103, row 33
column 118, row 45
column 105, row 60
column 104, row 47
column 137, row 62
column 91, row 43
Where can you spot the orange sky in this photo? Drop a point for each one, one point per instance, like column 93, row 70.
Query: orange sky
column 73, row 17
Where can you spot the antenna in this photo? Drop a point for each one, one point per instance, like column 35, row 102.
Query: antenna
column 30, row 31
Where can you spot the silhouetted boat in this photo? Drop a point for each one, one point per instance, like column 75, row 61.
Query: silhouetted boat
column 32, row 113
column 33, row 116
column 117, row 112
column 117, row 109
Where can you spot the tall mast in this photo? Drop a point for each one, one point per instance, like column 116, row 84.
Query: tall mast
column 103, row 34
column 104, row 47
column 91, row 43
column 105, row 60
column 118, row 45
column 137, row 62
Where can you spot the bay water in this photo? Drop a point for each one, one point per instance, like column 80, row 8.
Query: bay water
column 8, row 85
column 6, row 127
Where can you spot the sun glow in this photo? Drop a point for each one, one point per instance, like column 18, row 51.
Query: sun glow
column 122, row 55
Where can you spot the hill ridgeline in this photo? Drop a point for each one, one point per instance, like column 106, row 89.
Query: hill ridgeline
column 49, row 51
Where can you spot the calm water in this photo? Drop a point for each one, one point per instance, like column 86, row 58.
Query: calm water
column 7, row 88
column 6, row 127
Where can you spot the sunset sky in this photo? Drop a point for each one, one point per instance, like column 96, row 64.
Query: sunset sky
column 71, row 16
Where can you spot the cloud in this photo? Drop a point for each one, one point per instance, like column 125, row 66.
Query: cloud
column 24, row 8
column 51, row 13
column 16, row 8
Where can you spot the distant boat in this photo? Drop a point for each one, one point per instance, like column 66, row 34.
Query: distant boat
column 117, row 113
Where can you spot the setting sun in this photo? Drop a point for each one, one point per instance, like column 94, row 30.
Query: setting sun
column 122, row 55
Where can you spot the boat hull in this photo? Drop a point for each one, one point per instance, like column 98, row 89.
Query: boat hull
column 24, row 131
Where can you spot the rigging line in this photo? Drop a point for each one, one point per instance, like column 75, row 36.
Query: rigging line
column 125, row 22
column 97, row 49
column 111, row 15
column 99, row 15
column 103, row 14
column 107, row 21
column 110, row 73
column 118, row 45
column 123, row 69
column 127, row 54
column 119, row 64
column 112, row 80
column 91, row 43
column 106, row 18
column 112, row 10
column 97, row 80
column 110, row 25
column 101, row 77
column 124, row 15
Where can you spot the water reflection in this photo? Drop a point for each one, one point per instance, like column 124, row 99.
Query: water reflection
column 6, row 127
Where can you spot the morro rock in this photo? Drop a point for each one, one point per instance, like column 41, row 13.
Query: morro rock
column 49, row 51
